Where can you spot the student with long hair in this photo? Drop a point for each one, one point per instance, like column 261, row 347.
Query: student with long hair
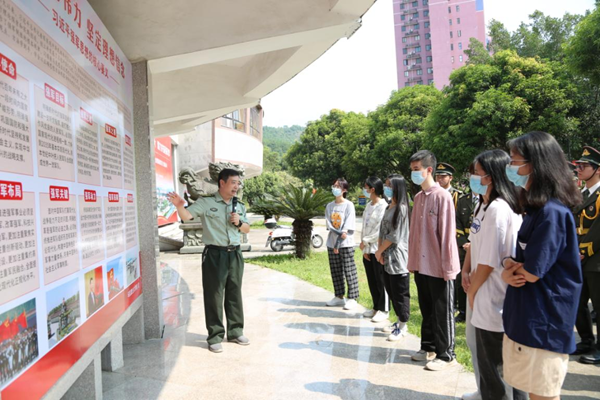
column 492, row 235
column 392, row 252
column 340, row 218
column 373, row 189
column 544, row 277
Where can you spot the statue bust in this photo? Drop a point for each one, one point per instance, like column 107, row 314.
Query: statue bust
column 187, row 176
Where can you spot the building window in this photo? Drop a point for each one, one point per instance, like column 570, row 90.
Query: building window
column 428, row 36
column 418, row 60
column 451, row 46
column 428, row 47
column 235, row 120
column 430, row 70
column 402, row 6
column 426, row 24
column 457, row 8
column 255, row 122
column 416, row 15
column 449, row 10
column 452, row 59
column 459, row 33
column 419, row 82
column 458, row 21
column 460, row 58
column 406, row 84
column 404, row 50
column 402, row 17
column 405, row 62
column 418, row 49
column 419, row 72
column 429, row 58
column 429, row 81
column 425, row 2
column 460, row 45
column 417, row 38
column 450, row 34
column 406, row 73
column 417, row 26
column 426, row 13
column 450, row 22
column 404, row 39
column 403, row 28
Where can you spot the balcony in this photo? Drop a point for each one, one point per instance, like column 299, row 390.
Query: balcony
column 411, row 32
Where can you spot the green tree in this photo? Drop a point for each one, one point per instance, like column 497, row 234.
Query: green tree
column 486, row 105
column 319, row 152
column 269, row 183
column 301, row 204
column 271, row 160
column 279, row 139
column 500, row 37
column 477, row 53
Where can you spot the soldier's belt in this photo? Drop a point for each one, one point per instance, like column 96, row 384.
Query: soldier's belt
column 223, row 248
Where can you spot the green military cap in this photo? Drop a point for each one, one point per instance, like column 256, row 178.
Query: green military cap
column 589, row 155
column 444, row 169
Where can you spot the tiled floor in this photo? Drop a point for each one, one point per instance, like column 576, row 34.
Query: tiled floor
column 299, row 350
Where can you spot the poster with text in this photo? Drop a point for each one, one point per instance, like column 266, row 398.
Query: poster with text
column 68, row 217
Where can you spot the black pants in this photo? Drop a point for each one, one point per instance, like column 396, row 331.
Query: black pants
column 436, row 300
column 460, row 296
column 375, row 278
column 590, row 290
column 489, row 360
column 398, row 287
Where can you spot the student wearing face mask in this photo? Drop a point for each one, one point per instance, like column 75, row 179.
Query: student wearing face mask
column 340, row 218
column 492, row 235
column 544, row 277
column 392, row 252
column 373, row 189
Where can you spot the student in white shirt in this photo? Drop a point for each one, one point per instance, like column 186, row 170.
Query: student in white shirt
column 372, row 216
column 493, row 235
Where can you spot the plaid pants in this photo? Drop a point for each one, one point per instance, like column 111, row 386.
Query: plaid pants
column 343, row 269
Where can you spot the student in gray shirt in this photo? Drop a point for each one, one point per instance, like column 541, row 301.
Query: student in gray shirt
column 392, row 252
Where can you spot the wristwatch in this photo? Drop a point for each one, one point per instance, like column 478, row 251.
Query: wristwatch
column 240, row 224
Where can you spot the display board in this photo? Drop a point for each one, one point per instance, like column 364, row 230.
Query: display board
column 69, row 254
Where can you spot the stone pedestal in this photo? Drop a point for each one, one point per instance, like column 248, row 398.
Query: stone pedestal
column 192, row 238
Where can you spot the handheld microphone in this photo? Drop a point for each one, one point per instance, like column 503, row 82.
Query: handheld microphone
column 234, row 202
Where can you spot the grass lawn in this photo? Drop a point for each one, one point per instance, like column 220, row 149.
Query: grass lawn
column 315, row 270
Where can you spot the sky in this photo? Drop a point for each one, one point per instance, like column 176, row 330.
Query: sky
column 359, row 74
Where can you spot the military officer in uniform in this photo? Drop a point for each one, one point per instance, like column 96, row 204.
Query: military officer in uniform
column 223, row 222
column 463, row 204
column 587, row 218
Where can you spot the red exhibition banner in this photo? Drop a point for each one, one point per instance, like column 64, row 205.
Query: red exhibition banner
column 69, row 249
column 166, row 212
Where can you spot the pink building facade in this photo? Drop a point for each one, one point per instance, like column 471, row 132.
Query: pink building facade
column 431, row 37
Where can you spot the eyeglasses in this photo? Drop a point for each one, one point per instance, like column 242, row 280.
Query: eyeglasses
column 582, row 166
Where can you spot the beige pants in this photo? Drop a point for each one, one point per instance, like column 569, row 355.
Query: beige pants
column 531, row 370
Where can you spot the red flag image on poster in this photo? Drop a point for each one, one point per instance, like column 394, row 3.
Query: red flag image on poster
column 22, row 320
column 166, row 212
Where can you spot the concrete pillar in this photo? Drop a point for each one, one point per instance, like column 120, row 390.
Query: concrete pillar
column 89, row 383
column 133, row 330
column 146, row 202
column 112, row 354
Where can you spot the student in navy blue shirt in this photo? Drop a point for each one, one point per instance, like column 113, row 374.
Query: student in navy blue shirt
column 545, row 275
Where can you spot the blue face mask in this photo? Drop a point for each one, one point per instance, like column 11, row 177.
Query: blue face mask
column 417, row 177
column 367, row 194
column 388, row 192
column 336, row 191
column 476, row 186
column 512, row 173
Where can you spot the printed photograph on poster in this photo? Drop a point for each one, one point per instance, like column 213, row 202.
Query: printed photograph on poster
column 94, row 290
column 166, row 212
column 64, row 313
column 133, row 266
column 114, row 277
column 18, row 340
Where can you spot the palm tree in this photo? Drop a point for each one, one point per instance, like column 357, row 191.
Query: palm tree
column 301, row 204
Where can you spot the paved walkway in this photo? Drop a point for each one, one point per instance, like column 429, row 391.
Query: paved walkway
column 299, row 350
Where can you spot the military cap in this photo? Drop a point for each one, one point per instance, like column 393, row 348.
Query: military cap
column 444, row 169
column 589, row 155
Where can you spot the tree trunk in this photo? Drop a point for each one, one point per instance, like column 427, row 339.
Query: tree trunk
column 303, row 237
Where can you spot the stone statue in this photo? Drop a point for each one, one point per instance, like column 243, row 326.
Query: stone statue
column 187, row 176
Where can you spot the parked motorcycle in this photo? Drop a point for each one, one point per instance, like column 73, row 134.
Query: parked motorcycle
column 282, row 236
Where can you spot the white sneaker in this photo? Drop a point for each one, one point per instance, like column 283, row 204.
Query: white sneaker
column 471, row 396
column 423, row 355
column 390, row 328
column 439, row 364
column 335, row 302
column 350, row 304
column 369, row 313
column 380, row 316
column 399, row 332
